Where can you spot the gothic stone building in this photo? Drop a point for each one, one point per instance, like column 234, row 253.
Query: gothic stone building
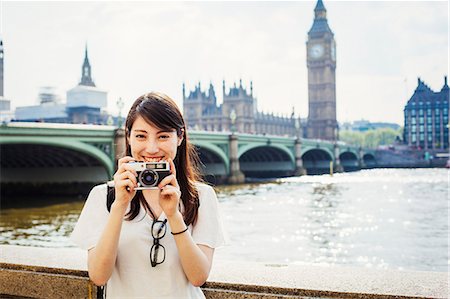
column 426, row 118
column 321, row 63
column 238, row 112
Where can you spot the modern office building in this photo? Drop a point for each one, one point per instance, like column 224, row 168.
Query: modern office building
column 426, row 118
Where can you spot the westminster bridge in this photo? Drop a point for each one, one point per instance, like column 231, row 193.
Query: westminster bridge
column 68, row 153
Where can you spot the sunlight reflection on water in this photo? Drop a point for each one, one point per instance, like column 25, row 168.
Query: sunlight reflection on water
column 380, row 218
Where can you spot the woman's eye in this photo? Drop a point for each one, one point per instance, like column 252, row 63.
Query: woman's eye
column 139, row 136
column 164, row 136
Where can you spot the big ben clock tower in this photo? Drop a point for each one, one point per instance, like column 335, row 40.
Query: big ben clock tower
column 321, row 62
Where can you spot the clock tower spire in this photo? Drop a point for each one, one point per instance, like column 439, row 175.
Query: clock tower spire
column 86, row 78
column 321, row 62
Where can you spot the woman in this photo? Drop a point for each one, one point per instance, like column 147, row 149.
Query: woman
column 126, row 232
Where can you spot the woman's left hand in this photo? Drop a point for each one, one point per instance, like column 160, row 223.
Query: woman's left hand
column 170, row 192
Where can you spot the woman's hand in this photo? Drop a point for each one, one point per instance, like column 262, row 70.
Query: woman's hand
column 170, row 192
column 124, row 182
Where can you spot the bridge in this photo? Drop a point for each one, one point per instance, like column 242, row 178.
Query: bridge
column 68, row 153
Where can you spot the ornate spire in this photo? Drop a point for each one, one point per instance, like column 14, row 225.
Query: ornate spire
column 86, row 78
column 320, row 25
column 320, row 11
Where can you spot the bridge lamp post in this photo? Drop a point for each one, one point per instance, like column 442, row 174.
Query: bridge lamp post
column 233, row 121
column 119, row 104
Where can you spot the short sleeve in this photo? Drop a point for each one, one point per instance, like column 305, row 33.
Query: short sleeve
column 208, row 229
column 92, row 219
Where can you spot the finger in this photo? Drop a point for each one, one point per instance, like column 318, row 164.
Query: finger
column 128, row 175
column 123, row 160
column 170, row 191
column 172, row 167
column 170, row 179
column 127, row 185
column 128, row 167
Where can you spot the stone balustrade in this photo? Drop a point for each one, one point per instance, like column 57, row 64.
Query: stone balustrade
column 32, row 272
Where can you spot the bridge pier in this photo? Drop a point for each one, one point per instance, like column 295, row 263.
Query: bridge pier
column 361, row 158
column 236, row 175
column 337, row 161
column 299, row 169
column 119, row 145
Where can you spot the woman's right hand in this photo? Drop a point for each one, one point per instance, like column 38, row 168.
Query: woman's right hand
column 124, row 182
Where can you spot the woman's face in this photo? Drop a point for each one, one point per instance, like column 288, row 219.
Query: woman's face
column 151, row 144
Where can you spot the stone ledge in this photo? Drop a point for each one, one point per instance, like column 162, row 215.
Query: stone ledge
column 61, row 273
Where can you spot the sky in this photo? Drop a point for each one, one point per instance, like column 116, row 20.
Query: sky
column 137, row 47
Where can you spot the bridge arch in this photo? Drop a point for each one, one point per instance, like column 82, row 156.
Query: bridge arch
column 76, row 146
column 266, row 161
column 213, row 157
column 317, row 161
column 349, row 161
column 369, row 160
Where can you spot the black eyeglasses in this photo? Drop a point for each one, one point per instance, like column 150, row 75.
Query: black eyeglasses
column 158, row 252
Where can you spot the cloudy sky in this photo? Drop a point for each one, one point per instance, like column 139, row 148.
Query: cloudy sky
column 136, row 47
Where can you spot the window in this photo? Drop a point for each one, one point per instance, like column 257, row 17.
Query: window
column 421, row 137
column 437, row 112
column 421, row 128
column 420, row 111
column 445, row 112
column 429, row 112
column 413, row 138
column 413, row 129
column 421, row 120
column 413, row 112
column 420, row 103
column 413, row 121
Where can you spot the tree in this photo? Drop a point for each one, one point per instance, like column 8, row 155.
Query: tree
column 371, row 138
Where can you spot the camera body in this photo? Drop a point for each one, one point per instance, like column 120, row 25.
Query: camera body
column 150, row 174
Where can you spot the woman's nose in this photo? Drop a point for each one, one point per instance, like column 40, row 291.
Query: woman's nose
column 152, row 148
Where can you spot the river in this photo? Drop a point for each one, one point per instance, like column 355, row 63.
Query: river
column 378, row 218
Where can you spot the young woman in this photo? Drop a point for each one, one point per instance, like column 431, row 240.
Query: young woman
column 152, row 243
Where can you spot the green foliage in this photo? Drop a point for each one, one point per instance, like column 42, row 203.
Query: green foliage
column 371, row 138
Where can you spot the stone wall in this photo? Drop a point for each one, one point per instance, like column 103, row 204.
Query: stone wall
column 29, row 272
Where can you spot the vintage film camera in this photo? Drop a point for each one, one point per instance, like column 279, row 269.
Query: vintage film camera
column 150, row 174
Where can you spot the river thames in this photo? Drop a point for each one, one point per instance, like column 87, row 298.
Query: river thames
column 378, row 218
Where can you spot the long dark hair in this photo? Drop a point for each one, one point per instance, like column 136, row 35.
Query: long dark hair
column 161, row 111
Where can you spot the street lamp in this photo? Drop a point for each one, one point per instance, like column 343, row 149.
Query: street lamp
column 233, row 120
column 119, row 104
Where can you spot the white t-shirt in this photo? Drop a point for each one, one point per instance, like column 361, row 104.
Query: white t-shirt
column 133, row 276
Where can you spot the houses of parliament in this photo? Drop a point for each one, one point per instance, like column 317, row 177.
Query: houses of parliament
column 239, row 113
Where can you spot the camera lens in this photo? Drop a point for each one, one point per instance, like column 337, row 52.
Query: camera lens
column 148, row 178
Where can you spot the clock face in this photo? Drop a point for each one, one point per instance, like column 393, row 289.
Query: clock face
column 316, row 51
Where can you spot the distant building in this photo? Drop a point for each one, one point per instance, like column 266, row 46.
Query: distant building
column 321, row 63
column 50, row 108
column 365, row 125
column 5, row 105
column 426, row 118
column 84, row 105
column 238, row 112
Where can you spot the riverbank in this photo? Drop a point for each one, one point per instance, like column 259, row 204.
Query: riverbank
column 61, row 273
